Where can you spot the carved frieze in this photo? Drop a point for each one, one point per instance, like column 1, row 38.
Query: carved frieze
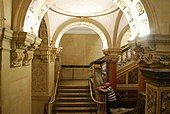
column 152, row 50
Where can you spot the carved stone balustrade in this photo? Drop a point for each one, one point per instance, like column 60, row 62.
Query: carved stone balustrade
column 152, row 50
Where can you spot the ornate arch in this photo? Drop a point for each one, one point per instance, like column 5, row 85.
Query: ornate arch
column 134, row 11
column 136, row 16
column 71, row 23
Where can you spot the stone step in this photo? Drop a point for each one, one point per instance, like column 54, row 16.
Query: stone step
column 75, row 113
column 74, row 109
column 72, row 90
column 73, row 87
column 74, row 104
column 73, row 95
column 75, row 99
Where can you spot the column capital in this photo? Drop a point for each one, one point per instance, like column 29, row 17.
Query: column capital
column 111, row 54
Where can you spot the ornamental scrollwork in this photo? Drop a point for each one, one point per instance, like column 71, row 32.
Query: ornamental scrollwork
column 152, row 58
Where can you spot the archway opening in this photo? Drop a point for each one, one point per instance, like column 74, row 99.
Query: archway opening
column 82, row 24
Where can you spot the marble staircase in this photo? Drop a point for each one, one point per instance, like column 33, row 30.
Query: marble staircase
column 73, row 97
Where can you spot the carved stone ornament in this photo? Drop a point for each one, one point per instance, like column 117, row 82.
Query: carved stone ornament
column 165, row 102
column 111, row 55
column 53, row 55
column 28, row 58
column 121, row 4
column 152, row 58
column 22, row 40
column 152, row 50
column 140, row 8
column 17, row 57
column 36, row 43
column 151, row 101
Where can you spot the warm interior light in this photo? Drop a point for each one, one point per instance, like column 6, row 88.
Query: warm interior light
column 84, row 24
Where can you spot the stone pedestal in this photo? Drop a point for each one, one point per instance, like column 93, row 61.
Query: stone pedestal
column 157, row 90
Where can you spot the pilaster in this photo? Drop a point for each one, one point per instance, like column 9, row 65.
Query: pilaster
column 42, row 61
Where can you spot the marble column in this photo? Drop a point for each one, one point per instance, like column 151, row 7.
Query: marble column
column 111, row 57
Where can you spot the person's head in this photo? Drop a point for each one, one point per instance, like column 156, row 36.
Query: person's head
column 107, row 84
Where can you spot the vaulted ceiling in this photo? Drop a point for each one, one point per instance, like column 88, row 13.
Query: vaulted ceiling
column 111, row 17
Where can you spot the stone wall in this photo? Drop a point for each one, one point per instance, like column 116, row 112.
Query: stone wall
column 15, row 81
column 80, row 49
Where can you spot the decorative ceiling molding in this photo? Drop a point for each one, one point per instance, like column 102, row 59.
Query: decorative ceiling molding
column 94, row 15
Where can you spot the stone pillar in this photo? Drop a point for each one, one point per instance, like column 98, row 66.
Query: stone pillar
column 43, row 76
column 111, row 56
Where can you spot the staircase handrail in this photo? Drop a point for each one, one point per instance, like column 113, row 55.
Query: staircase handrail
column 52, row 98
column 91, row 94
